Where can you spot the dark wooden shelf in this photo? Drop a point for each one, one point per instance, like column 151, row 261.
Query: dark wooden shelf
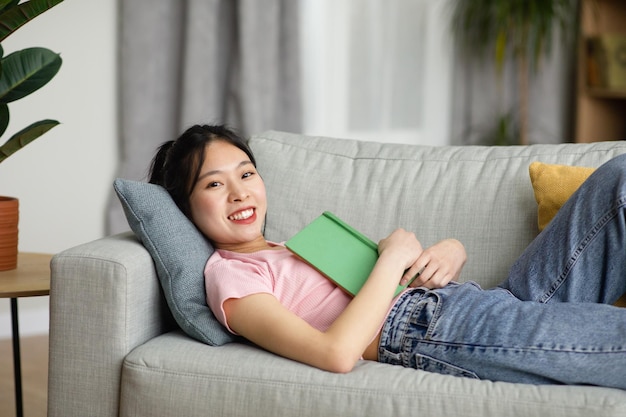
column 600, row 112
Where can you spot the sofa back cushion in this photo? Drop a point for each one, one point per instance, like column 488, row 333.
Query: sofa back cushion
column 480, row 195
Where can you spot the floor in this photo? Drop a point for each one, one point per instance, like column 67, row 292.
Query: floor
column 34, row 351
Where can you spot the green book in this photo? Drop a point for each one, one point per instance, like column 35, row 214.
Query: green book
column 341, row 253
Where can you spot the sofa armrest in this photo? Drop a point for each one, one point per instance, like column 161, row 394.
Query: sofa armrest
column 105, row 300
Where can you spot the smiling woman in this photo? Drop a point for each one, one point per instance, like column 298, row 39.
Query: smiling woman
column 228, row 202
column 261, row 291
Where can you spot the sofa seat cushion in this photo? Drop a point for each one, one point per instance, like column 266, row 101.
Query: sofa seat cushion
column 175, row 375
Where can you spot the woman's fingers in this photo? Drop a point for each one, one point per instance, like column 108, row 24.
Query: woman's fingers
column 439, row 264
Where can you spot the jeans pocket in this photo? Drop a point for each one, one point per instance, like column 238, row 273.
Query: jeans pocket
column 430, row 364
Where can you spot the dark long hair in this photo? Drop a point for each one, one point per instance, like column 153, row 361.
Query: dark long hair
column 177, row 163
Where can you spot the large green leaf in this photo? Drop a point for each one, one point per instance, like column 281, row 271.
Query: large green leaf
column 26, row 71
column 7, row 4
column 14, row 17
column 25, row 136
column 4, row 118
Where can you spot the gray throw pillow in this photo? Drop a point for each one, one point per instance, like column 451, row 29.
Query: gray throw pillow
column 180, row 253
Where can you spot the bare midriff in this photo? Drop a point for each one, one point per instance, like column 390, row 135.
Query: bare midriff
column 371, row 352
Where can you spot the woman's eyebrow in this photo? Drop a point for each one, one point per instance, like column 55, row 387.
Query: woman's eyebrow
column 217, row 171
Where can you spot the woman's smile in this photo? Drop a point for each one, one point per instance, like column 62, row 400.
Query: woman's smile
column 244, row 216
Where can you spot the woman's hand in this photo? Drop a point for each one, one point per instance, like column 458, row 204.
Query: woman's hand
column 402, row 245
column 437, row 265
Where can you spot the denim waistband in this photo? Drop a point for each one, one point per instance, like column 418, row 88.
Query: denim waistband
column 414, row 309
column 411, row 317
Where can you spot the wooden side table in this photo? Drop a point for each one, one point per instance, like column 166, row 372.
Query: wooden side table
column 30, row 278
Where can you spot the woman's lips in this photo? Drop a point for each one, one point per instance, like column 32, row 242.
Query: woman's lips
column 243, row 216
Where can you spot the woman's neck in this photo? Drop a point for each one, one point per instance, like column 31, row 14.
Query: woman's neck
column 256, row 245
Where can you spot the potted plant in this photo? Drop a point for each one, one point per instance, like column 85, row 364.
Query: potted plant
column 21, row 73
column 522, row 29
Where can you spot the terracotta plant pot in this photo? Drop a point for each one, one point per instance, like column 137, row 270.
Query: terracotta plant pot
column 9, row 216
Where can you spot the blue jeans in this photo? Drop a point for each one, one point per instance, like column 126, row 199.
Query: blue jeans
column 550, row 321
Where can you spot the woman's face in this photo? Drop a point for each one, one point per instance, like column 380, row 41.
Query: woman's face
column 228, row 203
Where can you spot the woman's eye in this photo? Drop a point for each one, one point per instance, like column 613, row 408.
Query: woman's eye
column 247, row 174
column 213, row 184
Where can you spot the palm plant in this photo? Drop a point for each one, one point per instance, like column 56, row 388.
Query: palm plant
column 523, row 29
column 23, row 72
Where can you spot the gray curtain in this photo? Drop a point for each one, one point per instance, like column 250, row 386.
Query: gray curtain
column 202, row 61
column 479, row 98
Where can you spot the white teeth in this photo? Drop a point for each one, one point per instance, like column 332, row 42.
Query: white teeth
column 242, row 215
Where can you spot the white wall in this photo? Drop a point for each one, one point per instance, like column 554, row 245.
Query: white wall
column 63, row 179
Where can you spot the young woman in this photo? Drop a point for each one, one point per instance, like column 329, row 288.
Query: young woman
column 550, row 322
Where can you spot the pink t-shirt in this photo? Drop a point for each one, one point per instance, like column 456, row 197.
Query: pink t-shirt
column 297, row 286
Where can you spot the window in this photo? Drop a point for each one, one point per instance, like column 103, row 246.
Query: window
column 377, row 69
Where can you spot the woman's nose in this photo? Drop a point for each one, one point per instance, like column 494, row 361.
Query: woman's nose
column 238, row 193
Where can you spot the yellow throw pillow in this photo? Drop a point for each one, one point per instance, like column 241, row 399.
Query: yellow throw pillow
column 553, row 185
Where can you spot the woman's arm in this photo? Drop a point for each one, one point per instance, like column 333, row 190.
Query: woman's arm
column 261, row 319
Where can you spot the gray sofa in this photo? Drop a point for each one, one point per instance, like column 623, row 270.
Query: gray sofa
column 115, row 350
